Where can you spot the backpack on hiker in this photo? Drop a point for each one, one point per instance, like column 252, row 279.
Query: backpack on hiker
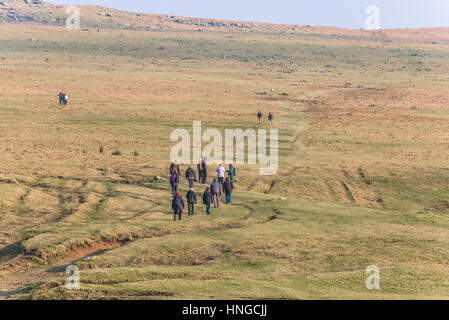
column 177, row 201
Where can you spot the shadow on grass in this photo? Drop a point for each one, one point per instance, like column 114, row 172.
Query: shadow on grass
column 11, row 251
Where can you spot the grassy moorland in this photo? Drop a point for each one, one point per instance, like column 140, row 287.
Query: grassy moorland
column 363, row 178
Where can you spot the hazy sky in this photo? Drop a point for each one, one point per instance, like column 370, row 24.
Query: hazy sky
column 341, row 13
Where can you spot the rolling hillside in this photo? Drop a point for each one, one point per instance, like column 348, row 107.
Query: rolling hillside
column 363, row 179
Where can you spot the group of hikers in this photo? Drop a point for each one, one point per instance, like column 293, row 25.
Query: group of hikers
column 211, row 195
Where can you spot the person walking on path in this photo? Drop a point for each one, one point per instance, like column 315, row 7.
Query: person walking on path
column 174, row 168
column 191, row 201
column 207, row 200
column 259, row 115
column 232, row 173
column 215, row 189
column 174, row 182
column 200, row 167
column 270, row 118
column 190, row 176
column 220, row 175
column 61, row 98
column 202, row 171
column 178, row 206
column 228, row 187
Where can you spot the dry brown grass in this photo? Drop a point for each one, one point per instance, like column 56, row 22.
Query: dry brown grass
column 362, row 172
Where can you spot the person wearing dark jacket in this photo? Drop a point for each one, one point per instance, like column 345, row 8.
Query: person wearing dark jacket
column 207, row 200
column 228, row 187
column 215, row 189
column 190, row 176
column 191, row 201
column 232, row 173
column 204, row 171
column 174, row 168
column 178, row 206
column 259, row 115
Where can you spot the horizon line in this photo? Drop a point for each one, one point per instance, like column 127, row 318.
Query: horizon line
column 248, row 21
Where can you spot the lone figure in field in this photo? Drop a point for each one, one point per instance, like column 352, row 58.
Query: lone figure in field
column 63, row 99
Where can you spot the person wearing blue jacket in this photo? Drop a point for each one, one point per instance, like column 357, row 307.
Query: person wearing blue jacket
column 178, row 206
column 202, row 171
column 259, row 115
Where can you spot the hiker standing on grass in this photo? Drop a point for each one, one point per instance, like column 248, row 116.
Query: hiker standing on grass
column 215, row 189
column 228, row 187
column 270, row 118
column 207, row 200
column 174, row 182
column 232, row 173
column 202, row 170
column 63, row 99
column 178, row 206
column 220, row 175
column 259, row 115
column 191, row 201
column 190, row 176
column 174, row 168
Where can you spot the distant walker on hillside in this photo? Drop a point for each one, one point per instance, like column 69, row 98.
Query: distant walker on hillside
column 259, row 116
column 63, row 99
